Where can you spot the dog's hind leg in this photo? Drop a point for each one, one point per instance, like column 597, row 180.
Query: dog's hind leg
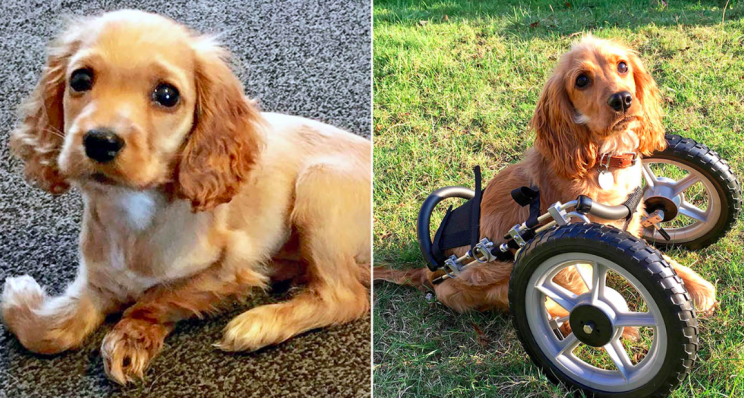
column 49, row 325
column 332, row 216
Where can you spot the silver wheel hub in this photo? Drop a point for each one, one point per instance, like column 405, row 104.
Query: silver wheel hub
column 605, row 315
column 698, row 222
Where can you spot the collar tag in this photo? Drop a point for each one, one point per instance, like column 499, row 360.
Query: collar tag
column 606, row 180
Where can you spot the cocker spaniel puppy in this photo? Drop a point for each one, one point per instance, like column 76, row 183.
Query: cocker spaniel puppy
column 600, row 101
column 193, row 197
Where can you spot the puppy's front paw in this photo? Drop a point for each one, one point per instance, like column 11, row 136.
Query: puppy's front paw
column 249, row 331
column 128, row 349
column 705, row 302
column 703, row 295
column 20, row 296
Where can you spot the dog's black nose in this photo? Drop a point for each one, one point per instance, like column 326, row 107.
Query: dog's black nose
column 102, row 145
column 620, row 101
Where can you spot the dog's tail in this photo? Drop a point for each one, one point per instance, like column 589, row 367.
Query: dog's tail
column 414, row 277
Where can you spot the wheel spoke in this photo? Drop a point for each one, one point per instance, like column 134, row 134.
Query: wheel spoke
column 585, row 272
column 649, row 175
column 686, row 182
column 619, row 356
column 560, row 295
column 692, row 211
column 568, row 344
column 635, row 319
column 599, row 275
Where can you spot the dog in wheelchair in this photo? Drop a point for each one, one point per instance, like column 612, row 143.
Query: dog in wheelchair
column 597, row 116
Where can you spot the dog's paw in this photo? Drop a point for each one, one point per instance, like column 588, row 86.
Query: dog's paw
column 704, row 299
column 705, row 306
column 248, row 332
column 21, row 294
column 632, row 334
column 128, row 349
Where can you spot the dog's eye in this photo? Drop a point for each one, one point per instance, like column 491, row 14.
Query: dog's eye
column 165, row 95
column 622, row 67
column 81, row 80
column 582, row 81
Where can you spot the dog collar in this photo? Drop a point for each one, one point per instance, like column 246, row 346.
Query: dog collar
column 609, row 161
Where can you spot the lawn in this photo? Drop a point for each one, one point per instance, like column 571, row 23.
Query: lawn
column 455, row 85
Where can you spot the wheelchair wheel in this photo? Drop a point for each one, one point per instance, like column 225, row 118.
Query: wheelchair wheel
column 690, row 181
column 577, row 339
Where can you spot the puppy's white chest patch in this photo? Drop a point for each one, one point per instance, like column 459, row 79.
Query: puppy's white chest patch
column 138, row 208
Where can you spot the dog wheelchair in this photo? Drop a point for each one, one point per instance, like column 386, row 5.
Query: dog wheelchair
column 627, row 282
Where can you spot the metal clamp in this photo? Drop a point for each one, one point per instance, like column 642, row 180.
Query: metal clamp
column 482, row 251
column 516, row 234
column 653, row 219
column 452, row 266
column 558, row 214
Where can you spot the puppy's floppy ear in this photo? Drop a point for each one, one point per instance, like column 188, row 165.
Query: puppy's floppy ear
column 558, row 137
column 225, row 140
column 651, row 133
column 38, row 139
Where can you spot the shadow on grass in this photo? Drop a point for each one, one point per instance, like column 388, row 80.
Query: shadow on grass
column 546, row 18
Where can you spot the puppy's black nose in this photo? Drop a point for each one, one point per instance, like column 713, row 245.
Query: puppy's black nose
column 102, row 145
column 620, row 101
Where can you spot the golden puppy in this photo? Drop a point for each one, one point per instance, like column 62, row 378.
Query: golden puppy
column 190, row 193
column 599, row 101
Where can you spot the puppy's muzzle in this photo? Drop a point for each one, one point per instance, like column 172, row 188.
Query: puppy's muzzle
column 102, row 145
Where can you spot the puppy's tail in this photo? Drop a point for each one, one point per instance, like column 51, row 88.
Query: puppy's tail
column 414, row 277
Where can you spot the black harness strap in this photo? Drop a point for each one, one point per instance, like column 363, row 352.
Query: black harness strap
column 528, row 196
column 475, row 210
column 461, row 226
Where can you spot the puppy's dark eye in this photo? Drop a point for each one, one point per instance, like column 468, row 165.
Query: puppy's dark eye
column 582, row 81
column 165, row 95
column 622, row 67
column 81, row 80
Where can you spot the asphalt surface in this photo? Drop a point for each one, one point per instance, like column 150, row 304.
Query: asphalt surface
column 307, row 58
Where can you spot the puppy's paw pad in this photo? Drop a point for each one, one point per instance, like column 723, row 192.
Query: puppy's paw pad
column 22, row 291
column 128, row 349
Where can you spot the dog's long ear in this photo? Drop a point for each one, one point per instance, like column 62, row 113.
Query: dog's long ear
column 38, row 139
column 225, row 140
column 567, row 144
column 651, row 133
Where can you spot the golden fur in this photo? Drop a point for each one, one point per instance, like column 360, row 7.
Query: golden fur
column 572, row 128
column 207, row 200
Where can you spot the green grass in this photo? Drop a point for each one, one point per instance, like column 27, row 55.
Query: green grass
column 455, row 84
